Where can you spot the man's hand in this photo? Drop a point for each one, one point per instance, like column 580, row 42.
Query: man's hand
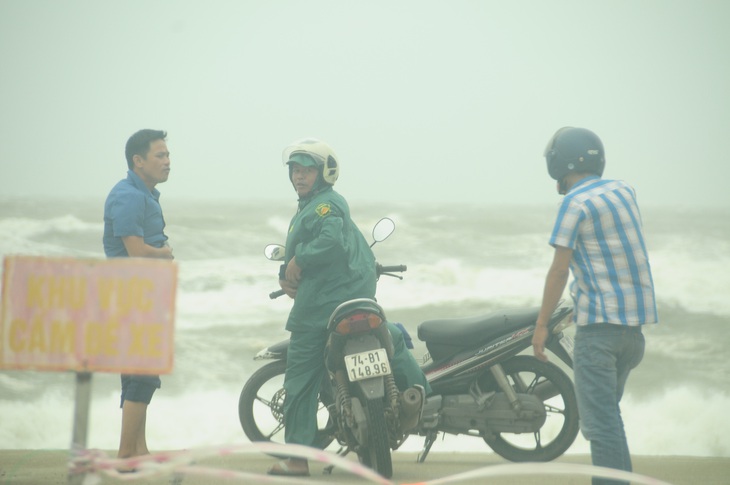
column 289, row 289
column 293, row 272
column 555, row 282
column 169, row 248
column 137, row 248
column 538, row 342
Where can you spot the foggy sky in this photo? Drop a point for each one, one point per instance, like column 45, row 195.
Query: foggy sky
column 423, row 101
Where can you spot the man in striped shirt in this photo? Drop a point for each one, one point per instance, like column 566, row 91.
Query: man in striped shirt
column 598, row 236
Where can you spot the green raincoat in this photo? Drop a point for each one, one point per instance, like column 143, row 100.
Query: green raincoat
column 337, row 265
column 336, row 261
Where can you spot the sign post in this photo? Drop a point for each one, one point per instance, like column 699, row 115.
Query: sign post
column 82, row 406
column 85, row 316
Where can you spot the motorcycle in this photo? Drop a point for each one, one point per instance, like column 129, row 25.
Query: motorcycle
column 522, row 408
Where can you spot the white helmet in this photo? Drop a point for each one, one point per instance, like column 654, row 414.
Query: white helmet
column 321, row 153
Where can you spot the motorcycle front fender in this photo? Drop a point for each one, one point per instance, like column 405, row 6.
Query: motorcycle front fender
column 372, row 388
column 277, row 351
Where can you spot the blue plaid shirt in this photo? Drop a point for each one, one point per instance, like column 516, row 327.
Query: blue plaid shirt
column 600, row 221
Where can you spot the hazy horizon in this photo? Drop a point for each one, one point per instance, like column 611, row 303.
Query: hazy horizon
column 424, row 101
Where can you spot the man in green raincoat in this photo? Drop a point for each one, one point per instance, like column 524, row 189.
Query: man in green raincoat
column 327, row 262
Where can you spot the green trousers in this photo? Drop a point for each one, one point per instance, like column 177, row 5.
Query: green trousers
column 305, row 372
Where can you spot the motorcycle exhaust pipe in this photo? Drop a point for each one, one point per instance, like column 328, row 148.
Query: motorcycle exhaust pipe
column 411, row 407
column 412, row 399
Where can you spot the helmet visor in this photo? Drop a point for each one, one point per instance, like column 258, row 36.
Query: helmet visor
column 303, row 159
column 309, row 147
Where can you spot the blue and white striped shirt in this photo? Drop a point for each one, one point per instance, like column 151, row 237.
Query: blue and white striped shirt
column 600, row 221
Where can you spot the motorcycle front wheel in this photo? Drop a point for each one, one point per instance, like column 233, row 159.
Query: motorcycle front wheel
column 261, row 407
column 553, row 387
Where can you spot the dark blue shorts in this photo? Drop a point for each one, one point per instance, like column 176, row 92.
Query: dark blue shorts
column 139, row 388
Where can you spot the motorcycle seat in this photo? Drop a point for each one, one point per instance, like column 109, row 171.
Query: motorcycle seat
column 472, row 330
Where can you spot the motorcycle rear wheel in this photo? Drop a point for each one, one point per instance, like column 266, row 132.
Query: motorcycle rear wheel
column 528, row 375
column 261, row 407
column 377, row 453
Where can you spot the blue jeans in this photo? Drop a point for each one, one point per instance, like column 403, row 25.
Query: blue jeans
column 603, row 357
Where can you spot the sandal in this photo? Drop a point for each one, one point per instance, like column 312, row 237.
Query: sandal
column 285, row 468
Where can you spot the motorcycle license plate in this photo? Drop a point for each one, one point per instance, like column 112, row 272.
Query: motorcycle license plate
column 567, row 343
column 365, row 365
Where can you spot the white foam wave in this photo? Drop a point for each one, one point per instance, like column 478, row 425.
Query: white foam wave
column 39, row 237
column 24, row 228
column 693, row 280
column 214, row 292
column 7, row 381
column 278, row 224
column 454, row 281
column 680, row 422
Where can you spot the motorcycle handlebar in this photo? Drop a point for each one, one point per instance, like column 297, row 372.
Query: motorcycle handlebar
column 379, row 268
column 391, row 269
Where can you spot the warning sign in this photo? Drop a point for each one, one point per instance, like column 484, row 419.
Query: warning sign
column 111, row 315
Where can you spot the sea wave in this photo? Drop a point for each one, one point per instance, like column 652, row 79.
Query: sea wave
column 29, row 228
column 680, row 281
column 682, row 421
column 692, row 279
column 460, row 263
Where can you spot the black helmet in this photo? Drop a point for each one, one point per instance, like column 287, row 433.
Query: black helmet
column 574, row 150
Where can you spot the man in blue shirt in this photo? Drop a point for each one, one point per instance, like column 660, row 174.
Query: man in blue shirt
column 134, row 227
column 598, row 236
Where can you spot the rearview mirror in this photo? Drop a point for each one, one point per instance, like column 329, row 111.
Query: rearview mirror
column 383, row 229
column 274, row 252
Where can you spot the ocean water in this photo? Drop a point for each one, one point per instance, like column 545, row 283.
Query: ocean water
column 462, row 261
